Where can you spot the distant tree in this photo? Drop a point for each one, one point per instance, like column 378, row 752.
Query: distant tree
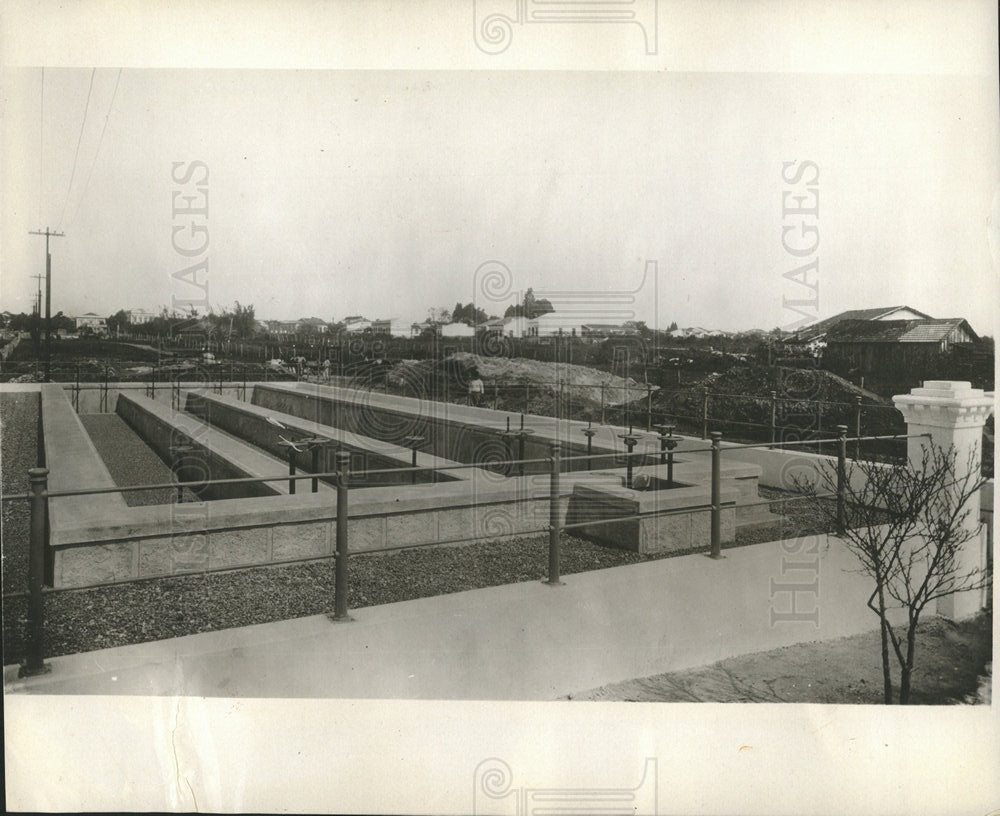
column 468, row 314
column 673, row 326
column 438, row 314
column 118, row 322
column 531, row 306
column 243, row 320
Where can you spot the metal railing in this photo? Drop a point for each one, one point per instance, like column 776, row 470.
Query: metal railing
column 39, row 496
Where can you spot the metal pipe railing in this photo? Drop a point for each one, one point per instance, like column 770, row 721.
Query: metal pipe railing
column 39, row 497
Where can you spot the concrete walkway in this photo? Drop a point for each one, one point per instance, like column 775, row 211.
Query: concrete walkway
column 524, row 641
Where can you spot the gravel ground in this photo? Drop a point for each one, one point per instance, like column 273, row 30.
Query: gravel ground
column 18, row 453
column 128, row 458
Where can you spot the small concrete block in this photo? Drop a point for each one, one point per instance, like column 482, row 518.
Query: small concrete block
column 81, row 566
column 666, row 534
column 366, row 534
column 301, row 541
column 232, row 548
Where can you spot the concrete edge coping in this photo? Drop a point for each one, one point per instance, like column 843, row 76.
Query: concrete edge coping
column 66, row 441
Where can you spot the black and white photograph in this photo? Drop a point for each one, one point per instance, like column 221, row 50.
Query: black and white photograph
column 499, row 406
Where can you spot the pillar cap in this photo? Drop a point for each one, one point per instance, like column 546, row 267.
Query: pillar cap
column 945, row 403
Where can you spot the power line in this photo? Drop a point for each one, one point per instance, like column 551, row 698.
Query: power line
column 41, row 148
column 78, row 140
column 97, row 153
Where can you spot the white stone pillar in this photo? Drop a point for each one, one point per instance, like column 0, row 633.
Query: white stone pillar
column 953, row 413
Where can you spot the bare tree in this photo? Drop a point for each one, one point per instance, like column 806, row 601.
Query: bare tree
column 907, row 526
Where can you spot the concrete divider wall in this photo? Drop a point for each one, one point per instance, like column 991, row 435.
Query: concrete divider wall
column 154, row 422
column 250, row 422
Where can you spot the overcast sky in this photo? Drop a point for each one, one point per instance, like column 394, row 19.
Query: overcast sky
column 380, row 192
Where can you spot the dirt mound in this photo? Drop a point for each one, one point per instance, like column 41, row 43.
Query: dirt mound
column 789, row 383
column 805, row 403
column 581, row 384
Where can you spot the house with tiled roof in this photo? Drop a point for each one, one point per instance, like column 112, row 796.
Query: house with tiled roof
column 894, row 350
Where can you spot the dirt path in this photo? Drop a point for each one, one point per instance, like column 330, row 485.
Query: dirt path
column 950, row 664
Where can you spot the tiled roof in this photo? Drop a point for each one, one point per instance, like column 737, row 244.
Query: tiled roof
column 824, row 326
column 895, row 331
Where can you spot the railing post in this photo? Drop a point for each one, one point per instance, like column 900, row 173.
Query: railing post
column 554, row 526
column 603, row 402
column 716, row 495
column 819, row 426
column 841, row 478
column 527, row 395
column 649, row 407
column 857, row 427
column 704, row 415
column 589, row 433
column 35, row 658
column 340, row 574
column 291, row 469
column 774, row 417
column 316, row 449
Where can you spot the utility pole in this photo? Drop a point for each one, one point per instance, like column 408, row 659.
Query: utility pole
column 38, row 300
column 36, row 335
column 48, row 297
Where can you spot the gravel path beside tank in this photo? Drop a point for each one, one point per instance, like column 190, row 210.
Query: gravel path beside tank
column 129, row 459
column 18, row 453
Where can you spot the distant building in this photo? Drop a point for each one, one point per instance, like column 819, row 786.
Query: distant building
column 281, row 327
column 417, row 329
column 139, row 316
column 311, row 324
column 554, row 324
column 812, row 338
column 355, row 324
column 893, row 350
column 602, row 331
column 457, row 330
column 91, row 321
column 513, row 327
